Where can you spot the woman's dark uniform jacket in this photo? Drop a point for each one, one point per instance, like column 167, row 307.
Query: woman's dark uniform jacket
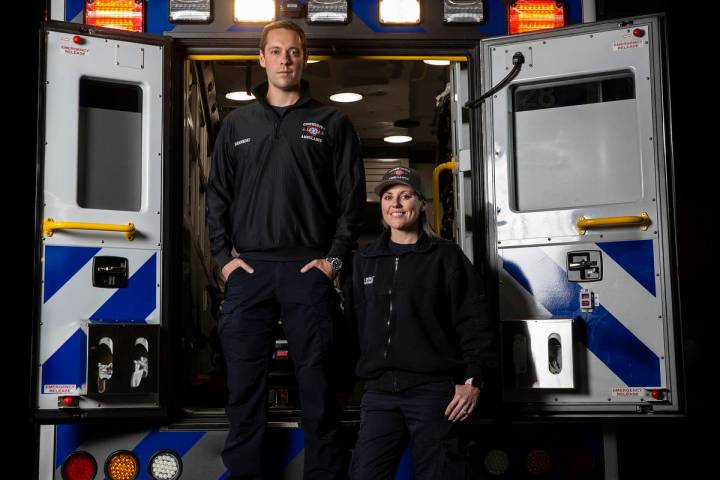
column 421, row 316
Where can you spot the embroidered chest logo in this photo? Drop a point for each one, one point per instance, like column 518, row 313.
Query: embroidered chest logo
column 312, row 131
column 240, row 142
column 368, row 280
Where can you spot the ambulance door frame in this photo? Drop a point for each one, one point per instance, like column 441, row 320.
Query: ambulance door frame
column 169, row 229
column 206, row 44
column 665, row 208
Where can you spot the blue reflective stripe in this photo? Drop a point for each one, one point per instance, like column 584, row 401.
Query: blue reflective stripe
column 134, row 303
column 67, row 439
column 157, row 18
column 67, row 366
column 73, row 8
column 244, row 28
column 636, row 258
column 178, row 442
column 286, row 445
column 369, row 12
column 616, row 346
column 61, row 264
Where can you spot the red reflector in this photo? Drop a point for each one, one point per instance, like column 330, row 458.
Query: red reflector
column 282, row 353
column 531, row 15
column 79, row 466
column 120, row 14
column 68, row 401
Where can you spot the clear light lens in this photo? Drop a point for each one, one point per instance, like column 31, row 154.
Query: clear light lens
column 334, row 11
column 398, row 139
column 496, row 462
column 463, row 11
column 189, row 10
column 346, row 97
column 239, row 96
column 400, row 11
column 165, row 466
column 254, row 11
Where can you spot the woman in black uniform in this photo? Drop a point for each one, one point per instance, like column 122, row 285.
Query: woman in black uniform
column 424, row 336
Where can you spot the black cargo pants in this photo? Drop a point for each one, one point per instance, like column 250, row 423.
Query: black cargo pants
column 306, row 303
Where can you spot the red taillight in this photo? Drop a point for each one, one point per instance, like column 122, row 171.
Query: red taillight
column 120, row 14
column 79, row 466
column 531, row 15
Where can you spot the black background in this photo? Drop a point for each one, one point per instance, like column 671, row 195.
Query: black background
column 647, row 447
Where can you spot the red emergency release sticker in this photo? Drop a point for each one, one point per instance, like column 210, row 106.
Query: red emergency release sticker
column 628, row 42
column 68, row 47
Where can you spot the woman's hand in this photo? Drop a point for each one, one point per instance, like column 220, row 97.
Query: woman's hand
column 463, row 404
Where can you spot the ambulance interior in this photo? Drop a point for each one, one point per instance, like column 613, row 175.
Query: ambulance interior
column 399, row 97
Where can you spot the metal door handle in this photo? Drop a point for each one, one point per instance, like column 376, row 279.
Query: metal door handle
column 50, row 225
column 584, row 224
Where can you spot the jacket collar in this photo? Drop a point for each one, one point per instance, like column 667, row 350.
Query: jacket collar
column 261, row 90
column 380, row 247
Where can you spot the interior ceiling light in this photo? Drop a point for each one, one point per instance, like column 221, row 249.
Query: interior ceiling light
column 437, row 63
column 347, row 97
column 398, row 139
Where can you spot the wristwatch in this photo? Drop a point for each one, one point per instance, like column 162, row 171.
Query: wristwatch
column 475, row 383
column 335, row 262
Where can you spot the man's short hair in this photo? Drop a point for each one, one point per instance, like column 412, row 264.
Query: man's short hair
column 287, row 25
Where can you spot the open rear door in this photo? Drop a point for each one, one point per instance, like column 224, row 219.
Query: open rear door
column 578, row 179
column 100, row 213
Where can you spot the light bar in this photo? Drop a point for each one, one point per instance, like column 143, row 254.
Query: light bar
column 463, row 11
column 254, row 11
column 437, row 63
column 190, row 11
column 532, row 15
column 327, row 11
column 400, row 12
column 118, row 14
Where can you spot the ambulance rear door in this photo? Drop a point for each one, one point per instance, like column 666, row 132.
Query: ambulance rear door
column 101, row 196
column 578, row 181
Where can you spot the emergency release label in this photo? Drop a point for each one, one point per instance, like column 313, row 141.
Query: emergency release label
column 74, row 50
column 60, row 388
column 627, row 392
column 627, row 43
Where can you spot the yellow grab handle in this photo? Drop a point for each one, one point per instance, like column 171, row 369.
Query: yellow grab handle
column 584, row 224
column 451, row 165
column 50, row 225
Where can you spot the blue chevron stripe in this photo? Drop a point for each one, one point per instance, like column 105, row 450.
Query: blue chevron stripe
column 73, row 8
column 61, row 264
column 616, row 346
column 636, row 258
column 68, row 438
column 67, row 366
column 134, row 303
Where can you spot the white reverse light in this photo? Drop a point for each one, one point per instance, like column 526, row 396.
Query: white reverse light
column 165, row 465
column 346, row 97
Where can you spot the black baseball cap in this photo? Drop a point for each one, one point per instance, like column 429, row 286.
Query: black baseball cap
column 401, row 175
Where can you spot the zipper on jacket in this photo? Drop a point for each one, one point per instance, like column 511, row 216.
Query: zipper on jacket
column 389, row 316
column 394, row 382
column 275, row 130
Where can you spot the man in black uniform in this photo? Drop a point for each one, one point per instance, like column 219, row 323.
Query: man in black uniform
column 286, row 192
